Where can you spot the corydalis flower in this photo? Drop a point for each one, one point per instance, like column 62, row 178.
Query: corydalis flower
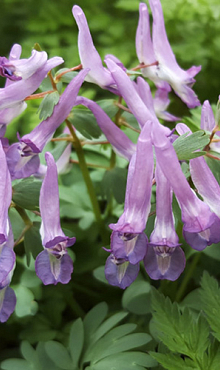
column 5, row 196
column 31, row 71
column 53, row 265
column 201, row 226
column 120, row 273
column 164, row 258
column 89, row 56
column 160, row 51
column 7, row 265
column 208, row 124
column 22, row 157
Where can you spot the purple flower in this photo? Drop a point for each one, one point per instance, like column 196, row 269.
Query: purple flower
column 89, row 56
column 208, row 124
column 7, row 303
column 5, row 196
column 122, row 145
column 53, row 265
column 134, row 95
column 199, row 222
column 167, row 69
column 161, row 102
column 138, row 190
column 7, row 265
column 22, row 157
column 31, row 73
column 145, row 50
column 164, row 258
column 119, row 272
column 128, row 247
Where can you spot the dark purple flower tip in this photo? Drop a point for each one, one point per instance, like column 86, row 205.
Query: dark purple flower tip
column 200, row 240
column 53, row 270
column 7, row 303
column 131, row 247
column 8, row 70
column 7, row 262
column 65, row 241
column 164, row 262
column 120, row 273
column 21, row 166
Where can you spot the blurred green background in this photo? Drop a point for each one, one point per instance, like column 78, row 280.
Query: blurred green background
column 193, row 29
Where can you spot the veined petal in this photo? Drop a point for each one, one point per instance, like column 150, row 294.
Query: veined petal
column 7, row 263
column 89, row 56
column 168, row 265
column 52, row 270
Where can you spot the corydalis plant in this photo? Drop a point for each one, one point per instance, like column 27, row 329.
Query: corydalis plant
column 53, row 265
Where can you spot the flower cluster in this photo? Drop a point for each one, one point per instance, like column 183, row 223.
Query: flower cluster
column 153, row 162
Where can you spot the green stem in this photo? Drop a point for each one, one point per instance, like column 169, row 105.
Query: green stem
column 187, row 277
column 89, row 184
column 23, row 215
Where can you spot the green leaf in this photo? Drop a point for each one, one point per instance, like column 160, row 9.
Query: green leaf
column 93, row 319
column 114, row 182
column 213, row 251
column 210, row 296
column 58, row 354
column 67, row 77
column 178, row 329
column 136, row 298
column 25, row 301
column 26, row 193
column 85, row 123
column 108, row 325
column 45, row 361
column 99, row 274
column 116, row 341
column 125, row 361
column 76, row 340
column 47, row 105
column 173, row 362
column 187, row 147
column 16, row 364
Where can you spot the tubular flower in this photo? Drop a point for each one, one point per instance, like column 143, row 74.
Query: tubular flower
column 201, row 226
column 133, row 97
column 89, row 56
column 22, row 157
column 7, row 265
column 203, row 178
column 164, row 258
column 128, row 242
column 120, row 273
column 5, row 196
column 167, row 69
column 53, row 265
column 208, row 124
column 31, row 73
